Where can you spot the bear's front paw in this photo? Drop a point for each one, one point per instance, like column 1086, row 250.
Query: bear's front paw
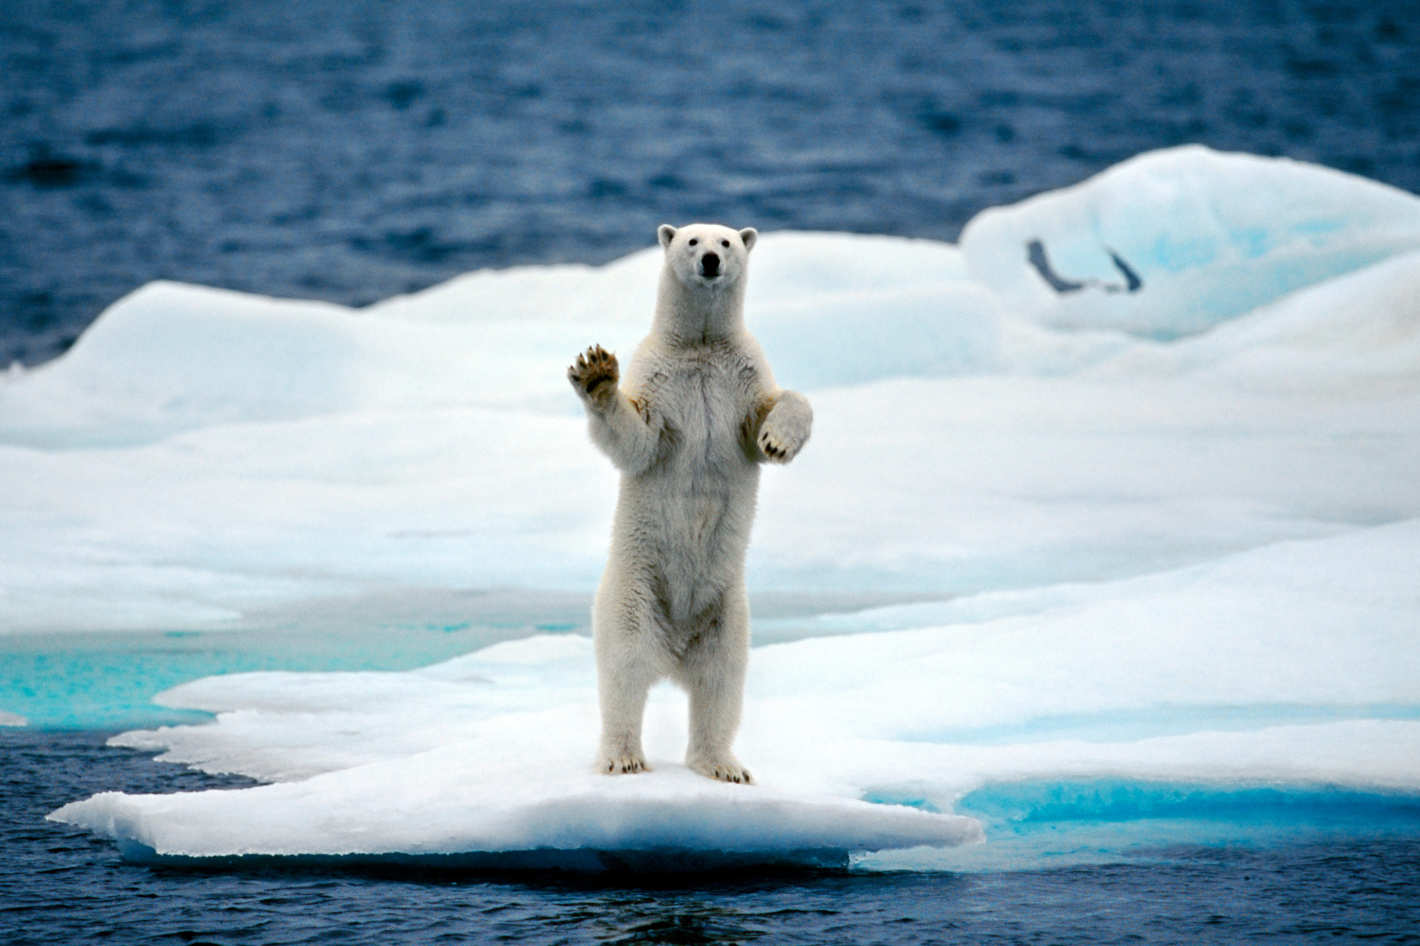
column 622, row 763
column 723, row 768
column 781, row 441
column 594, row 375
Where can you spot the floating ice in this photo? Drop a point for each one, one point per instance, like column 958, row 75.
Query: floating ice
column 204, row 459
column 1135, row 465
column 1208, row 236
column 526, row 809
column 1290, row 665
column 1358, row 334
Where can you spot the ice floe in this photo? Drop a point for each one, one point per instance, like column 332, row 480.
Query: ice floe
column 1137, row 457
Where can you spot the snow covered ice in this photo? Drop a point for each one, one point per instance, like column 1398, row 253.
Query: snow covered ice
column 1155, row 527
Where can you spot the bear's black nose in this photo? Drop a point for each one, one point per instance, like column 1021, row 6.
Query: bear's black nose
column 709, row 265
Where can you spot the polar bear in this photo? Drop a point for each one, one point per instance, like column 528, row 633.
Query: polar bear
column 688, row 426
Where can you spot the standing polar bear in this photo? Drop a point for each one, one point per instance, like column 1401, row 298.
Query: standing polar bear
column 695, row 415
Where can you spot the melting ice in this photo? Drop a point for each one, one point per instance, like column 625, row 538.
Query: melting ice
column 1135, row 461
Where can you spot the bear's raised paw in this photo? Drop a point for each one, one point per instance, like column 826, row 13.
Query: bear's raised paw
column 777, row 452
column 785, row 429
column 780, row 446
column 594, row 374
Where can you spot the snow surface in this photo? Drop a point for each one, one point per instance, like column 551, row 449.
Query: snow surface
column 1167, row 536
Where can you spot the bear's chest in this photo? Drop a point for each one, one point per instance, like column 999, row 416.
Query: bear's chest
column 702, row 403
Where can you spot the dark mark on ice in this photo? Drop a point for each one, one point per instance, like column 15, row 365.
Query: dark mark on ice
column 1132, row 282
column 1035, row 253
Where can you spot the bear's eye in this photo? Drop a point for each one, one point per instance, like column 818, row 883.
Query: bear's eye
column 725, row 244
column 693, row 241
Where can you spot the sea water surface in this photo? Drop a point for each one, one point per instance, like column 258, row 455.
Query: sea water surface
column 353, row 151
column 62, row 885
column 350, row 151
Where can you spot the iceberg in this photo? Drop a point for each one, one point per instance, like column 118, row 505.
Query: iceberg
column 479, row 762
column 450, row 807
column 1110, row 516
column 1172, row 243
column 204, row 459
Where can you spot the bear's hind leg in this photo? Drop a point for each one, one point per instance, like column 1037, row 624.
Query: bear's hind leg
column 625, row 673
column 622, row 690
column 713, row 673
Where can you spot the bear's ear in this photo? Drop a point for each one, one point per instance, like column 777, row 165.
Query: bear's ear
column 665, row 233
column 749, row 235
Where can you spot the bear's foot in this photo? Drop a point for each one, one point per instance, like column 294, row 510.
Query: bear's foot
column 594, row 374
column 622, row 763
column 722, row 768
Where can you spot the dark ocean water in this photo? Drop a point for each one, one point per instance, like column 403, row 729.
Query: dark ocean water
column 59, row 885
column 353, row 150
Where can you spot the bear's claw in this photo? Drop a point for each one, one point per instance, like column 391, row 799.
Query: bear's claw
column 774, row 450
column 623, row 765
column 723, row 771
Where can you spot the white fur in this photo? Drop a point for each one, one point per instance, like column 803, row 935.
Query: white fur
column 695, row 415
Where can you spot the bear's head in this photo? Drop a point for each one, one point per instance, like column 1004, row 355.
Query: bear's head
column 706, row 255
